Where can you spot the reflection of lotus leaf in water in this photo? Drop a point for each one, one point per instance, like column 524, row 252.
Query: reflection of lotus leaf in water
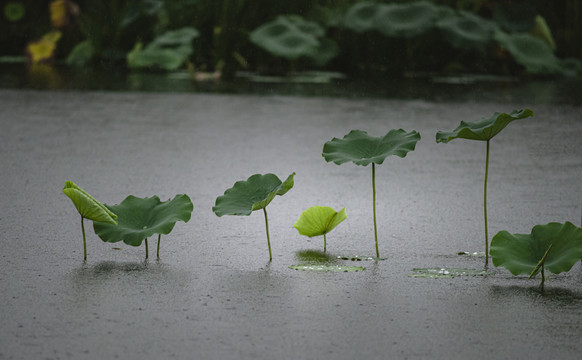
column 465, row 30
column 531, row 52
column 406, row 20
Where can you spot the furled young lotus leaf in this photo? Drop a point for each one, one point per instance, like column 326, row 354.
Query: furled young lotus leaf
column 484, row 129
column 87, row 206
column 140, row 218
column 533, row 53
column 522, row 253
column 253, row 194
column 319, row 220
column 407, row 19
column 465, row 30
column 361, row 17
column 363, row 149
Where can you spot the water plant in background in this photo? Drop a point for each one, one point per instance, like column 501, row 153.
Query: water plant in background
column 319, row 220
column 88, row 208
column 363, row 149
column 255, row 193
column 140, row 218
column 483, row 130
column 554, row 247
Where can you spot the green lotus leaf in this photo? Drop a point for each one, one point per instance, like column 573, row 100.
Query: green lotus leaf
column 529, row 51
column 466, row 30
column 319, row 220
column 253, row 194
column 484, row 129
column 361, row 17
column 87, row 206
column 515, row 16
column 406, row 20
column 362, row 149
column 524, row 253
column 140, row 218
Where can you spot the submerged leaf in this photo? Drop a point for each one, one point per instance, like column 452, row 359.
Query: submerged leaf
column 483, row 130
column 521, row 253
column 87, row 206
column 319, row 220
column 253, row 194
column 140, row 218
column 362, row 149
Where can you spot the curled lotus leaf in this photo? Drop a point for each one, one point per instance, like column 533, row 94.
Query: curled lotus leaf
column 255, row 193
column 529, row 51
column 319, row 220
column 557, row 246
column 87, row 206
column 484, row 129
column 140, row 218
column 406, row 20
column 362, row 149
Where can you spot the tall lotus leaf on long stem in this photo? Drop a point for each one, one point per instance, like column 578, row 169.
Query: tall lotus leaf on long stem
column 88, row 208
column 319, row 220
column 554, row 247
column 140, row 218
column 255, row 193
column 362, row 149
column 483, row 130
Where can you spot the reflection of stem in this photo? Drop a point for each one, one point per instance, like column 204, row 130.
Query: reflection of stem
column 485, row 207
column 324, row 243
column 543, row 279
column 146, row 245
column 268, row 239
column 84, row 240
column 159, row 238
column 374, row 206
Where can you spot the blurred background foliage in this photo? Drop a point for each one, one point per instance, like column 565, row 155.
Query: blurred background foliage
column 358, row 38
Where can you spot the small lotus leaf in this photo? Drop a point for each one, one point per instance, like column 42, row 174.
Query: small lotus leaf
column 253, row 194
column 361, row 17
column 521, row 253
column 483, row 130
column 140, row 218
column 362, row 149
column 87, row 206
column 319, row 220
column 466, row 30
column 406, row 20
column 533, row 53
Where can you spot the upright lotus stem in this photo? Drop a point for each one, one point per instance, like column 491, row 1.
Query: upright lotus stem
column 374, row 206
column 324, row 243
column 268, row 239
column 146, row 246
column 159, row 238
column 84, row 240
column 485, row 207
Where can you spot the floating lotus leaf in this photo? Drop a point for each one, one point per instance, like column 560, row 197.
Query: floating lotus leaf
column 526, row 253
column 361, row 17
column 362, row 149
column 533, row 53
column 140, row 218
column 327, row 268
column 407, row 19
column 483, row 130
column 253, row 194
column 447, row 273
column 319, row 220
column 467, row 31
column 87, row 206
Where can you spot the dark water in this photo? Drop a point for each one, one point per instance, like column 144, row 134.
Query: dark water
column 439, row 88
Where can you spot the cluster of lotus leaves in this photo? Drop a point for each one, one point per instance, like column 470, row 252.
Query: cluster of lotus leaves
column 557, row 246
column 363, row 149
column 292, row 37
column 465, row 30
column 319, row 220
column 484, row 129
column 255, row 193
column 529, row 51
column 167, row 51
column 140, row 218
column 87, row 206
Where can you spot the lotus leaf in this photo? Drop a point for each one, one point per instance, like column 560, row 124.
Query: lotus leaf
column 319, row 220
column 14, row 11
column 140, row 218
column 555, row 247
column 253, row 194
column 361, row 17
column 406, row 20
column 467, row 31
column 327, row 268
column 485, row 129
column 531, row 52
column 515, row 16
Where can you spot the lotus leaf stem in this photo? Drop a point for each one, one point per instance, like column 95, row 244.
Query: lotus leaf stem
column 374, row 206
column 84, row 239
column 268, row 239
column 159, row 238
column 543, row 279
column 485, row 207
column 146, row 246
column 324, row 243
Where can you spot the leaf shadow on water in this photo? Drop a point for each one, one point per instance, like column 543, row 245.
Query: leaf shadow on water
column 550, row 295
column 316, row 260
